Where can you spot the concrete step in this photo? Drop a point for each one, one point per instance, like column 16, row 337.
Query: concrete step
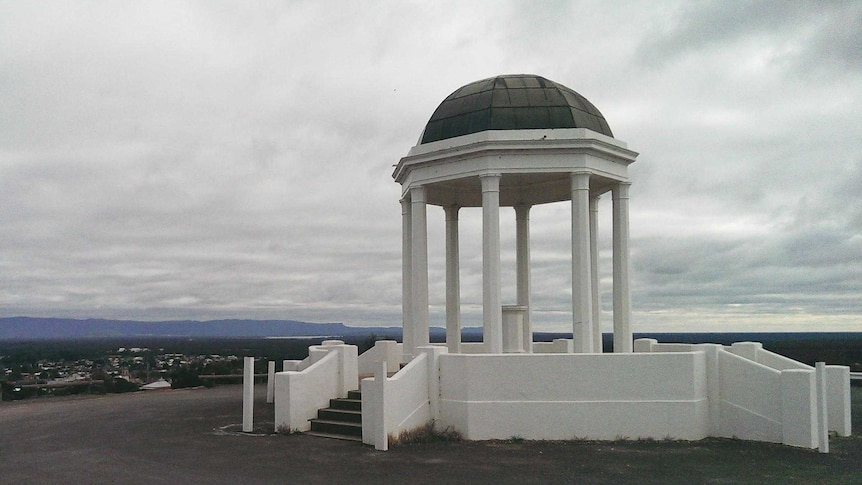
column 334, row 436
column 347, row 404
column 354, row 395
column 336, row 427
column 345, row 415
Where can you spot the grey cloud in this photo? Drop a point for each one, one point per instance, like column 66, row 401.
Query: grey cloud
column 806, row 36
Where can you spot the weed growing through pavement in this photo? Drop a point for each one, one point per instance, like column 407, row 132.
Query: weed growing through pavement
column 285, row 430
column 427, row 433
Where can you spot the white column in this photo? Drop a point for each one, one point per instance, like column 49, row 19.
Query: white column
column 492, row 311
column 406, row 278
column 622, row 296
column 453, row 281
column 594, row 273
column 419, row 265
column 522, row 263
column 582, row 301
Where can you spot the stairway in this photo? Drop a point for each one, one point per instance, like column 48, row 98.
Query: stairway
column 341, row 420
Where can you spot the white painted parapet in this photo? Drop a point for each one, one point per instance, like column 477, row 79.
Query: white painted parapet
column 750, row 399
column 748, row 396
column 295, row 365
column 472, row 348
column 558, row 346
column 838, row 401
column 644, row 344
column 401, row 402
column 798, row 408
column 837, row 382
column 388, row 351
column 682, row 391
column 333, row 371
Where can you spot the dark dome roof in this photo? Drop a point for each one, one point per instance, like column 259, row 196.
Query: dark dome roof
column 513, row 102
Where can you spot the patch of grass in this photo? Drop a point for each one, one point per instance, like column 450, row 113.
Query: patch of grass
column 517, row 439
column 427, row 433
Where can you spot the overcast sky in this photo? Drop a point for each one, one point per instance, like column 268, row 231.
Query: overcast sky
column 202, row 160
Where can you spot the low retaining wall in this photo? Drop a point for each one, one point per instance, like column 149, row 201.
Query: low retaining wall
column 794, row 374
column 763, row 404
column 595, row 396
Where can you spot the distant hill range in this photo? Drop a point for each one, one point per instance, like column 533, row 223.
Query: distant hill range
column 27, row 328
column 847, row 344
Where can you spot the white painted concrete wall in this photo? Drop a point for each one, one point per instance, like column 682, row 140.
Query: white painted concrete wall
column 333, row 371
column 472, row 348
column 838, row 399
column 596, row 396
column 558, row 346
column 663, row 390
column 750, row 399
column 406, row 398
column 837, row 384
column 298, row 395
column 389, row 351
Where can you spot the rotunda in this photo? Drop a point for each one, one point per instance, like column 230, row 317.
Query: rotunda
column 514, row 141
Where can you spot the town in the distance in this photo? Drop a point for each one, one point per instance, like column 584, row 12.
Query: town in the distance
column 55, row 357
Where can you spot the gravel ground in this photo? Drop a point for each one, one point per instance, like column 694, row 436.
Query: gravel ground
column 191, row 436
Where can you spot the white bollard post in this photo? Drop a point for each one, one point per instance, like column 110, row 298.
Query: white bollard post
column 822, row 411
column 248, row 395
column 381, row 438
column 270, row 383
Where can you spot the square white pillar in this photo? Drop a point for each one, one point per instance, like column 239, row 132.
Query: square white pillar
column 492, row 311
column 582, row 300
column 622, row 295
